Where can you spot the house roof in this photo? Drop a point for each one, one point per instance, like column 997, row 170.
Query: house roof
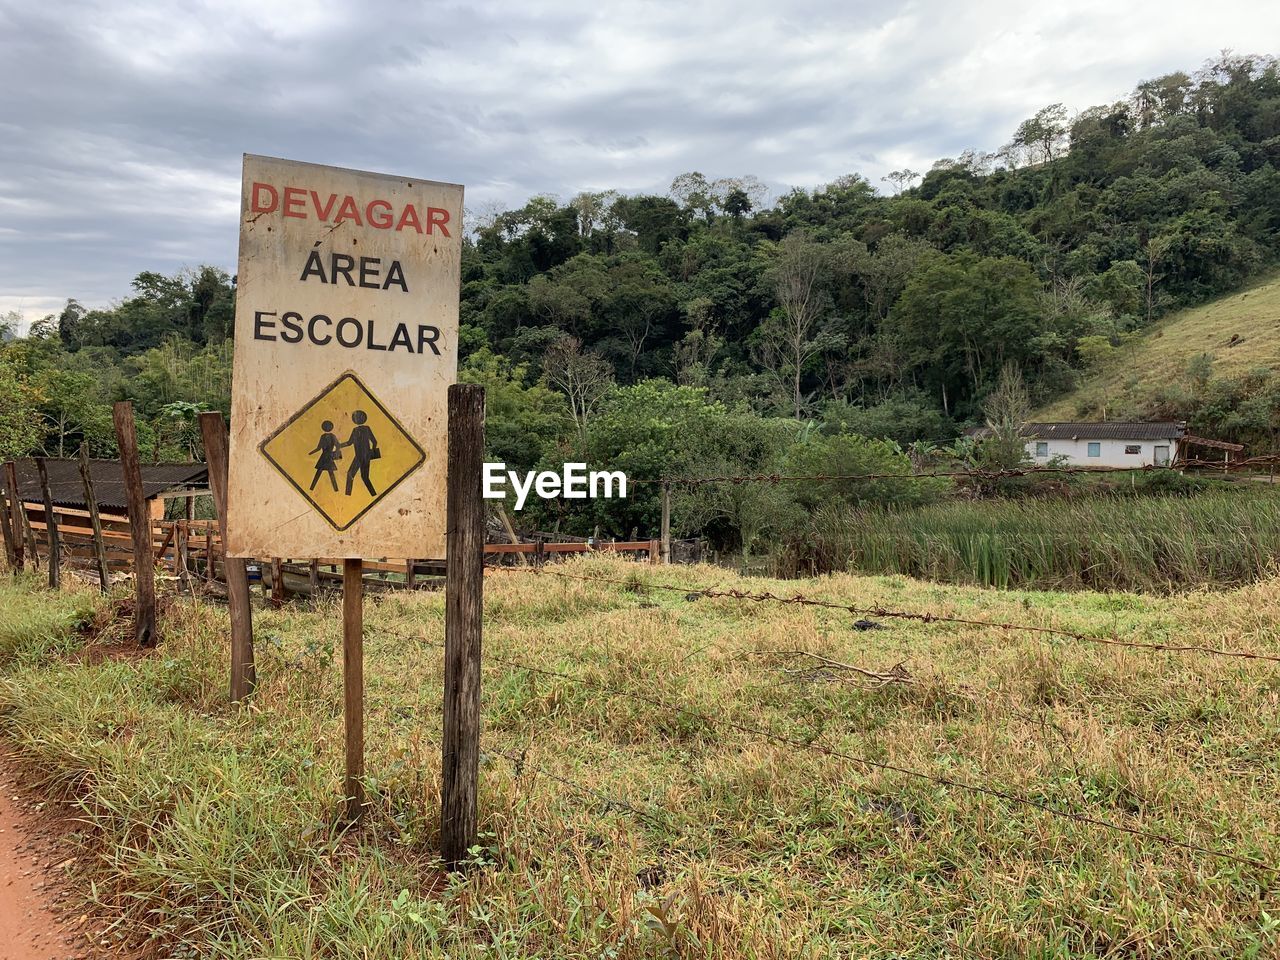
column 1109, row 430
column 67, row 489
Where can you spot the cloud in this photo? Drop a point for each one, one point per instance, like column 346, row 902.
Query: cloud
column 122, row 123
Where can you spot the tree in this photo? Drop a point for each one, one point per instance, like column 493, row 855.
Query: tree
column 789, row 337
column 74, row 409
column 583, row 377
column 963, row 317
column 1041, row 137
column 849, row 455
column 900, row 179
column 69, row 324
column 693, row 192
column 21, row 426
column 523, row 421
column 1005, row 410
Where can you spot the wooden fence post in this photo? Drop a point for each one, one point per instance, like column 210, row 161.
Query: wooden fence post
column 666, row 522
column 463, row 621
column 182, row 554
column 51, row 534
column 95, row 520
column 244, row 678
column 539, row 552
column 5, row 513
column 277, row 583
column 184, row 544
column 29, row 535
column 521, row 559
column 313, row 577
column 353, row 684
column 15, row 513
column 144, row 570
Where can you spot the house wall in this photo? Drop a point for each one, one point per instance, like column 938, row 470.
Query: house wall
column 1111, row 453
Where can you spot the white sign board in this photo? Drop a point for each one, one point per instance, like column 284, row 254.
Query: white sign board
column 346, row 343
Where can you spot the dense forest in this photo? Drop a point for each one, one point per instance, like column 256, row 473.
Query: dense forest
column 711, row 329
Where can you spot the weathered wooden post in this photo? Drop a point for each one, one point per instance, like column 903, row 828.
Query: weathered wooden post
column 52, row 537
column 213, row 430
column 182, row 553
column 277, row 583
column 666, row 522
column 5, row 521
column 29, row 535
column 521, row 559
column 95, row 520
column 144, row 572
column 463, row 615
column 353, row 684
column 17, row 514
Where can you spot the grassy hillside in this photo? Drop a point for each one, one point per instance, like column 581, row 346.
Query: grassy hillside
column 629, row 806
column 1241, row 332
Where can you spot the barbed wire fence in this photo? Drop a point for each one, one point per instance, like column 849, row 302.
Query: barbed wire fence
column 714, row 724
column 642, row 583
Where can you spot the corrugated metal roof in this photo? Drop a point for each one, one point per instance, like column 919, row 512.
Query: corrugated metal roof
column 1110, row 430
column 67, row 489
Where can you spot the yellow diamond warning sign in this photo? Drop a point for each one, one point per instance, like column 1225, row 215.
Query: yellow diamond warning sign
column 343, row 451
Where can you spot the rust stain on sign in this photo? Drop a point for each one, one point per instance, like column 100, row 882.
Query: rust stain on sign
column 346, row 342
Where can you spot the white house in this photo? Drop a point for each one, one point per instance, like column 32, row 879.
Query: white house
column 1111, row 444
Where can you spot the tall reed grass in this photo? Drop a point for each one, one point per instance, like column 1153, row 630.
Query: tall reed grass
column 1157, row 544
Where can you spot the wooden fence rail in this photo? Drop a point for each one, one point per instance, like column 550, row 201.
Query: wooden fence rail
column 191, row 551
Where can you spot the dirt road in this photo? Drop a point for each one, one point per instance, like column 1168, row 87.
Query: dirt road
column 33, row 878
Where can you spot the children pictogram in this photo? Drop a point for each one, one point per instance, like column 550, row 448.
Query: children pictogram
column 365, row 452
column 329, row 454
column 344, row 422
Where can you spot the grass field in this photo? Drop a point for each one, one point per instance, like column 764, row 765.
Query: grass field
column 1162, row 356
column 1105, row 542
column 613, row 827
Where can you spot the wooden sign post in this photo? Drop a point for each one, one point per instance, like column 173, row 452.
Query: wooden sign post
column 463, row 618
column 244, row 676
column 346, row 343
column 144, row 568
column 353, row 684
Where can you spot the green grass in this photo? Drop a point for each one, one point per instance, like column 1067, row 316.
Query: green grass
column 1103, row 542
column 217, row 830
column 1126, row 386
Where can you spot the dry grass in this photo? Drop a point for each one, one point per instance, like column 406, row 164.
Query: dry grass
column 1162, row 356
column 219, row 827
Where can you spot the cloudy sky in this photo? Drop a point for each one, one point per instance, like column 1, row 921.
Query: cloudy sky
column 122, row 122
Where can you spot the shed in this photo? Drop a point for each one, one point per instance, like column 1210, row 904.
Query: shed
column 160, row 482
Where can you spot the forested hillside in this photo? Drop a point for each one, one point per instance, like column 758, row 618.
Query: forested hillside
column 713, row 328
